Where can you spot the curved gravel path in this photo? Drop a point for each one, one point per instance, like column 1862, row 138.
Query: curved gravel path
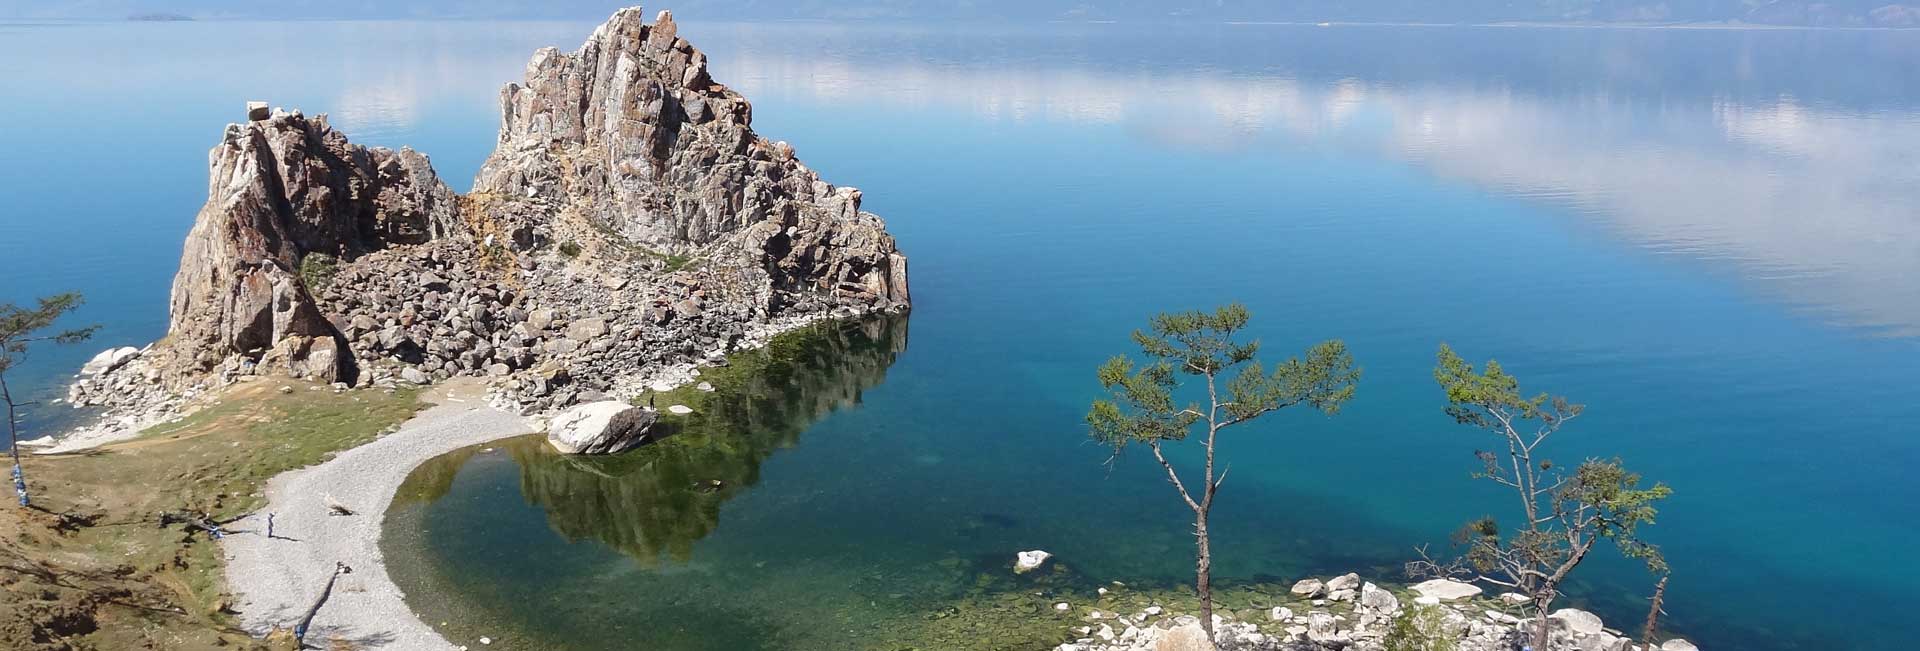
column 275, row 580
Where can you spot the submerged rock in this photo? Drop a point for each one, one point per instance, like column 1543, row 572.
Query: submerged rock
column 603, row 427
column 1029, row 561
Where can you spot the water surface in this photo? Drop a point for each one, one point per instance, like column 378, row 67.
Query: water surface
column 1711, row 238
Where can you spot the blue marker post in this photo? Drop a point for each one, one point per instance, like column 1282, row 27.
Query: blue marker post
column 20, row 481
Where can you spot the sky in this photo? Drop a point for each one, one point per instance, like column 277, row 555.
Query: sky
column 1816, row 12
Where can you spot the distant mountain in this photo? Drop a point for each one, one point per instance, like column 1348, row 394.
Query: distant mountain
column 1834, row 13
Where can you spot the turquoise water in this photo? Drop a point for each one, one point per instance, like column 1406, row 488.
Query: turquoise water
column 1708, row 237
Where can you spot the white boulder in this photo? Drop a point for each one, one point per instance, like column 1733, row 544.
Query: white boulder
column 109, row 359
column 1578, row 621
column 1348, row 581
column 1678, row 645
column 603, row 427
column 1029, row 561
column 1309, row 588
column 1446, row 589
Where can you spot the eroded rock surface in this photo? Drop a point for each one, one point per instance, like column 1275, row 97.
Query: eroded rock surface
column 629, row 227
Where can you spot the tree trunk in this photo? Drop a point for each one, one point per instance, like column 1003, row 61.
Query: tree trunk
column 1542, row 628
column 1653, row 612
column 13, row 444
column 1204, row 571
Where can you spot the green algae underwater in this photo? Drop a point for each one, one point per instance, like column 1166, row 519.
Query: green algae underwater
column 674, row 546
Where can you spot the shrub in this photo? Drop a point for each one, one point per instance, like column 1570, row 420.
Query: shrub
column 1422, row 628
column 317, row 269
column 570, row 249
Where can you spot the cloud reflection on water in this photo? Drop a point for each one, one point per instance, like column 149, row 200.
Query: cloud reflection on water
column 1808, row 200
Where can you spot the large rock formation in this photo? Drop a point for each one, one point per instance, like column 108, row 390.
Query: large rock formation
column 629, row 136
column 629, row 223
column 289, row 193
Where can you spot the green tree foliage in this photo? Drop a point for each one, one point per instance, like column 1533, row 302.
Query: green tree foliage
column 1564, row 515
column 1144, row 410
column 1422, row 628
column 20, row 327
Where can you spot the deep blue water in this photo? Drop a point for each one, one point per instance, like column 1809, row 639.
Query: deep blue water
column 1710, row 238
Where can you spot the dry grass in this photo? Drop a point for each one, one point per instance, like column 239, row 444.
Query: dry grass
column 114, row 556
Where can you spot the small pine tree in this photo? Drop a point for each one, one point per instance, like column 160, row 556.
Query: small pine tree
column 1143, row 409
column 19, row 327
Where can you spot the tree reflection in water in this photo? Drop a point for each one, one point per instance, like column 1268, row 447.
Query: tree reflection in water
column 660, row 499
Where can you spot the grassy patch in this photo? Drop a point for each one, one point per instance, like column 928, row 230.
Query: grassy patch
column 317, row 270
column 109, row 562
column 570, row 249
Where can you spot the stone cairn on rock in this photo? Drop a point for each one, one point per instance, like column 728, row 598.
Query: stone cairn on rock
column 629, row 227
column 1346, row 613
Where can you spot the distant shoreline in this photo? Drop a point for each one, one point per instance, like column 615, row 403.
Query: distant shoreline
column 1735, row 26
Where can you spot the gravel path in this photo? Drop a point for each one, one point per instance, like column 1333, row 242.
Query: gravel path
column 275, row 580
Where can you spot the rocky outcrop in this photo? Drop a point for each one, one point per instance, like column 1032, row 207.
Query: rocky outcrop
column 628, row 227
column 289, row 195
column 629, row 138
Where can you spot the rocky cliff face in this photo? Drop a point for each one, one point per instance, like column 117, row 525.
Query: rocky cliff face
column 629, row 223
column 287, row 193
column 630, row 137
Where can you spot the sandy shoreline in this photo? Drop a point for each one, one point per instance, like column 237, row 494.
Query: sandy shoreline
column 274, row 581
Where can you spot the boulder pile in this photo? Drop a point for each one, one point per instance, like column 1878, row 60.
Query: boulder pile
column 1359, row 619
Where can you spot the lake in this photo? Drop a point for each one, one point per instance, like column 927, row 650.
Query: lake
column 1711, row 238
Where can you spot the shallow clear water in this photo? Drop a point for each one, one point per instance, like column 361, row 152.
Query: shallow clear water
column 1711, row 238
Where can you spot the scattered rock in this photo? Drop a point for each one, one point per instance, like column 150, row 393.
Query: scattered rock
column 1347, row 581
column 414, row 376
column 1678, row 645
column 1310, row 588
column 1186, row 637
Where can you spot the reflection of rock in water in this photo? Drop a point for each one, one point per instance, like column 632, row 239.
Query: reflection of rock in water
column 662, row 498
column 433, row 479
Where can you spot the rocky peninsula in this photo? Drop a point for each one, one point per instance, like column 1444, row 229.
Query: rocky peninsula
column 628, row 227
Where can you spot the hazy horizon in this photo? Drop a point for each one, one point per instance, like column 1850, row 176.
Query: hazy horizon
column 1831, row 13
